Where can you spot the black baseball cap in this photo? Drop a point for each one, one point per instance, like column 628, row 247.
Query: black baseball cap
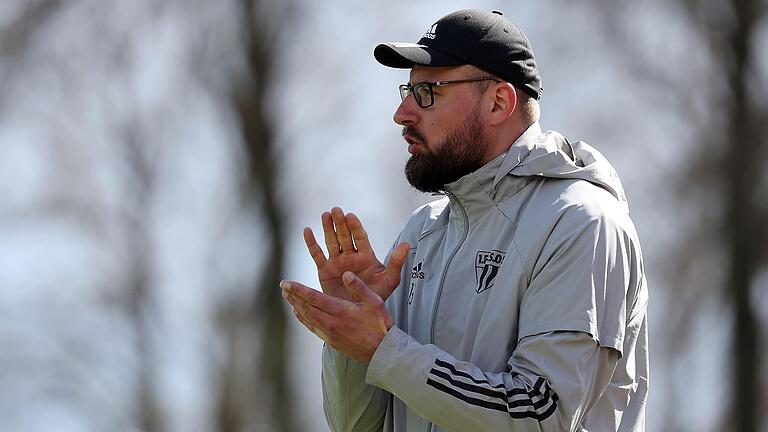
column 486, row 40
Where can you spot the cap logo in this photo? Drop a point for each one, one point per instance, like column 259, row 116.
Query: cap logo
column 432, row 32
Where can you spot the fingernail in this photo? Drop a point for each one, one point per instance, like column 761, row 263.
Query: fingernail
column 349, row 276
column 285, row 294
column 285, row 285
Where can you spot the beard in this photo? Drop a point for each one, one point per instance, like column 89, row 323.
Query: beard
column 459, row 154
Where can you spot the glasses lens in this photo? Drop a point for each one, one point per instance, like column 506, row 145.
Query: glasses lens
column 404, row 90
column 423, row 94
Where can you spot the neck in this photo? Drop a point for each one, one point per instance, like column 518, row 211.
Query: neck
column 503, row 139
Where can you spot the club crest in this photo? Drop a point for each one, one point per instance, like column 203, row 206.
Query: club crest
column 487, row 265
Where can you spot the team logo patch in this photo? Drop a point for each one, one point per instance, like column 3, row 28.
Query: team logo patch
column 487, row 265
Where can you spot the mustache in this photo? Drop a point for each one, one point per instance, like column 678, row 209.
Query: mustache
column 414, row 133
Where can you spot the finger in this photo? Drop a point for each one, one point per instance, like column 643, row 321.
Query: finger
column 315, row 298
column 308, row 321
column 318, row 318
column 359, row 235
column 296, row 302
column 331, row 242
column 300, row 318
column 358, row 291
column 342, row 230
column 315, row 251
column 394, row 267
column 373, row 304
column 397, row 259
column 313, row 318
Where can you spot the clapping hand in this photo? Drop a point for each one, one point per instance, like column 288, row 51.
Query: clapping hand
column 350, row 250
column 349, row 314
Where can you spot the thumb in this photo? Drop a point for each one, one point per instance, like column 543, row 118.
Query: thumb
column 356, row 288
column 396, row 261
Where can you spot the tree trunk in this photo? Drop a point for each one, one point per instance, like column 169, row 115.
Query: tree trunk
column 742, row 174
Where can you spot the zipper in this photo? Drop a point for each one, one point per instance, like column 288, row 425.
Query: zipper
column 452, row 197
column 445, row 268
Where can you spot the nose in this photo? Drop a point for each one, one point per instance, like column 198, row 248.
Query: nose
column 407, row 111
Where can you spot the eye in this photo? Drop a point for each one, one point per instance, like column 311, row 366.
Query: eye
column 405, row 89
column 423, row 90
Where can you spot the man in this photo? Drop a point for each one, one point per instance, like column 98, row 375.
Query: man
column 518, row 301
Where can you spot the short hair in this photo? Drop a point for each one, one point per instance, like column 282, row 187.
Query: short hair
column 528, row 107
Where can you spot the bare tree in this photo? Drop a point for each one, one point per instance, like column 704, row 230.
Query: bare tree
column 17, row 39
column 734, row 150
column 255, row 382
column 19, row 33
column 745, row 211
column 138, row 300
column 724, row 246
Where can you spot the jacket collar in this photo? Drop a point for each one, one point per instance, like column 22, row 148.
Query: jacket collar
column 478, row 190
column 519, row 150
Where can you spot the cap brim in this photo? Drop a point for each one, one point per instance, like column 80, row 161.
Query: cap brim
column 406, row 55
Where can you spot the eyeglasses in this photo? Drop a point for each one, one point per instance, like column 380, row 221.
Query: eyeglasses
column 422, row 91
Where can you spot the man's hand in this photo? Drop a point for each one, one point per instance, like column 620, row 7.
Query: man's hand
column 350, row 251
column 355, row 326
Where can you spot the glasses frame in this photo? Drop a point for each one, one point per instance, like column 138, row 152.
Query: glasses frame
column 406, row 89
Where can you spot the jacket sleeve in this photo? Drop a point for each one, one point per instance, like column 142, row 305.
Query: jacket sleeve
column 348, row 402
column 571, row 328
column 544, row 370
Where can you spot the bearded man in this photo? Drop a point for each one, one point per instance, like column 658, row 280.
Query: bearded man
column 518, row 301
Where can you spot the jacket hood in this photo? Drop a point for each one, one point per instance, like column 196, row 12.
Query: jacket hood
column 551, row 155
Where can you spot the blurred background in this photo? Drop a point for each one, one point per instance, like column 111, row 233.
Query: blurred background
column 159, row 159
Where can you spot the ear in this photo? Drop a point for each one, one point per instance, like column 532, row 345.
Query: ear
column 504, row 103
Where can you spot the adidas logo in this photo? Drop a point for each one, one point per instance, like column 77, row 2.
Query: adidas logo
column 416, row 272
column 432, row 32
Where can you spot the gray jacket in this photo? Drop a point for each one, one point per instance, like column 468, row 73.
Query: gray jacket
column 522, row 306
